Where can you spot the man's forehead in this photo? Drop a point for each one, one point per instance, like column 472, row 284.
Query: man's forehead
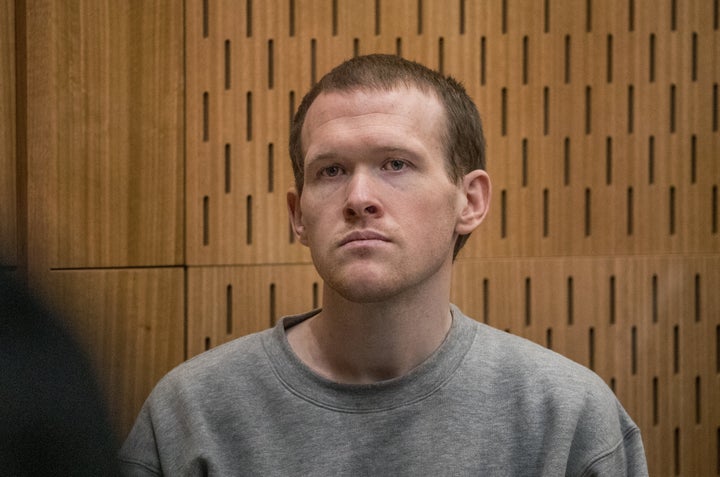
column 366, row 100
column 410, row 103
column 400, row 90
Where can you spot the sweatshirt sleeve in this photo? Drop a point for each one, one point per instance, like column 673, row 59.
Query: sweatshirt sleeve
column 626, row 459
column 607, row 440
column 138, row 456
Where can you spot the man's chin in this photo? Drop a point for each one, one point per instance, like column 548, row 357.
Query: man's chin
column 365, row 296
column 363, row 289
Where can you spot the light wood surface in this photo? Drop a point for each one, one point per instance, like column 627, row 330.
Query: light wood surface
column 101, row 195
column 132, row 321
column 118, row 133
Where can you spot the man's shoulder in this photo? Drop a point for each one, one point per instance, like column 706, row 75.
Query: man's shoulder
column 511, row 365
column 546, row 390
column 235, row 366
column 229, row 361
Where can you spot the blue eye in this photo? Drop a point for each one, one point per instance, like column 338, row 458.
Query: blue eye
column 331, row 171
column 396, row 164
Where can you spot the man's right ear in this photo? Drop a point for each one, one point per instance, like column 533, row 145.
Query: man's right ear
column 295, row 213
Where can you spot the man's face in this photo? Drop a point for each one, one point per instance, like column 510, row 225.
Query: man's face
column 378, row 210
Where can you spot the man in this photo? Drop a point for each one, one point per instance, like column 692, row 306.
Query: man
column 388, row 378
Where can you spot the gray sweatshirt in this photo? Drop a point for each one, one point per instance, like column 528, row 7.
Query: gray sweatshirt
column 485, row 403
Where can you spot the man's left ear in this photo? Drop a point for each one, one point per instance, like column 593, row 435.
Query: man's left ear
column 476, row 203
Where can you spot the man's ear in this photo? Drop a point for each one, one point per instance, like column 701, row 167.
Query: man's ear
column 476, row 201
column 293, row 203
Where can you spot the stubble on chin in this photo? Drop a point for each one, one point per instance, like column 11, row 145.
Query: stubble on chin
column 358, row 283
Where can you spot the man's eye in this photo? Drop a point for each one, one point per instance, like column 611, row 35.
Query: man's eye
column 331, row 171
column 396, row 164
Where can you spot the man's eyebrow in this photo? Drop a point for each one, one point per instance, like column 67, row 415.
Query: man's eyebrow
column 325, row 156
column 394, row 149
column 319, row 161
column 374, row 150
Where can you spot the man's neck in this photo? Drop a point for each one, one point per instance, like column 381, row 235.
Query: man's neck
column 360, row 343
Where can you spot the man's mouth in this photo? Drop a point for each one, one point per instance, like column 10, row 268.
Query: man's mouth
column 363, row 235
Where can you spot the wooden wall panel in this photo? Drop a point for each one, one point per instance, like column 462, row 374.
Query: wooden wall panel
column 229, row 302
column 132, row 323
column 102, row 94
column 236, row 136
column 117, row 72
column 8, row 170
column 588, row 129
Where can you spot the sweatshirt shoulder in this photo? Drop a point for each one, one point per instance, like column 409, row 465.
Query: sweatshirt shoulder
column 505, row 354
column 556, row 396
column 228, row 359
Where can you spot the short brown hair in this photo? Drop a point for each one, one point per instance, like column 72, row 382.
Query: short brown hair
column 464, row 140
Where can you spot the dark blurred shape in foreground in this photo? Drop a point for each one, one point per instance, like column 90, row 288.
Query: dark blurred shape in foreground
column 53, row 419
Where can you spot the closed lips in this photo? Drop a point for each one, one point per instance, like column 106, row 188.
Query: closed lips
column 362, row 235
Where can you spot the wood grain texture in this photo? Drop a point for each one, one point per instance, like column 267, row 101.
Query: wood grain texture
column 103, row 100
column 118, row 81
column 132, row 324
column 8, row 168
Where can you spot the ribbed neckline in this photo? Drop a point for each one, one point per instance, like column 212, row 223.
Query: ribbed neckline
column 415, row 386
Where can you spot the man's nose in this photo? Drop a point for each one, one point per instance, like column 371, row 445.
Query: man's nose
column 362, row 199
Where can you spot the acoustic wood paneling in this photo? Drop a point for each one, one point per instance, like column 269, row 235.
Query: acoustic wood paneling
column 580, row 119
column 132, row 323
column 8, row 169
column 229, row 302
